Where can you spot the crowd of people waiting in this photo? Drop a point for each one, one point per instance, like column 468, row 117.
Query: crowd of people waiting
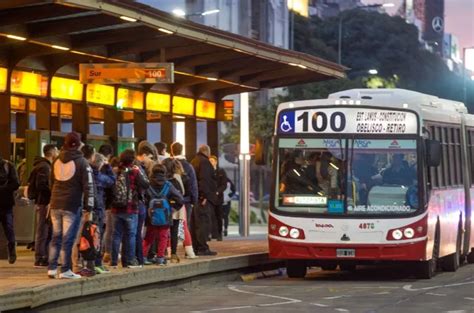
column 93, row 208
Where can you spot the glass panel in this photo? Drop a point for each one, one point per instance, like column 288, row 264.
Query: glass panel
column 182, row 105
column 206, row 109
column 129, row 99
column 101, row 94
column 29, row 83
column 64, row 88
column 3, row 79
column 158, row 102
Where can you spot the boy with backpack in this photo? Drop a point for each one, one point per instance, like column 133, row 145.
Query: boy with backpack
column 129, row 183
column 39, row 190
column 163, row 196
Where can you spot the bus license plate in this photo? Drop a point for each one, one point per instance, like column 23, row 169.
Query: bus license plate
column 345, row 253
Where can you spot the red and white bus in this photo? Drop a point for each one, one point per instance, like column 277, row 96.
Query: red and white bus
column 369, row 176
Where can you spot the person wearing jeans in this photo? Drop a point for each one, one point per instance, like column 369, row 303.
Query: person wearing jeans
column 72, row 189
column 125, row 226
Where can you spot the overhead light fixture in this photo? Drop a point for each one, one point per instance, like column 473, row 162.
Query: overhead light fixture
column 78, row 52
column 302, row 66
column 179, row 12
column 373, row 72
column 293, row 64
column 211, row 78
column 16, row 37
column 210, row 12
column 388, row 5
column 60, row 47
column 163, row 30
column 128, row 19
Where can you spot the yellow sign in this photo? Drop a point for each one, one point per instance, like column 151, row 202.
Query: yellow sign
column 206, row 109
column 3, row 79
column 299, row 6
column 126, row 73
column 158, row 102
column 182, row 105
column 100, row 94
column 129, row 99
column 64, row 88
column 29, row 83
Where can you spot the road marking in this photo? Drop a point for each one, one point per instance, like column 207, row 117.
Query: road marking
column 457, row 311
column 468, row 298
column 410, row 288
column 378, row 287
column 382, row 293
column 341, row 310
column 336, row 297
column 224, row 309
column 320, row 305
column 436, row 294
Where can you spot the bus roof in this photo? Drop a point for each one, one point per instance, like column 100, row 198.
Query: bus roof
column 428, row 107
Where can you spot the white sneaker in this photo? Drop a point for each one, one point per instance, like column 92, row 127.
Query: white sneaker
column 52, row 273
column 69, row 275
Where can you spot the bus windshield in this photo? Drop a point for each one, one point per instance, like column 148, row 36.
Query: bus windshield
column 347, row 176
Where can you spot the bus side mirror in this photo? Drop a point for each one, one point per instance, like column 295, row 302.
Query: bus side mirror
column 433, row 152
column 260, row 152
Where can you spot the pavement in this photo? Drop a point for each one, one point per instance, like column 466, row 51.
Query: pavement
column 23, row 286
column 369, row 290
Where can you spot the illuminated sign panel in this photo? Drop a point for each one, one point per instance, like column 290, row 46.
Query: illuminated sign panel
column 126, row 73
column 129, row 99
column 225, row 111
column 3, row 79
column 64, row 88
column 182, row 105
column 29, row 83
column 206, row 109
column 158, row 102
column 101, row 94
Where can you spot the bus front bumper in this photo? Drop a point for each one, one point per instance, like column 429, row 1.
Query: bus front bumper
column 412, row 251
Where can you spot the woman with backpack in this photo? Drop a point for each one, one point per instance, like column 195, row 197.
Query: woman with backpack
column 163, row 197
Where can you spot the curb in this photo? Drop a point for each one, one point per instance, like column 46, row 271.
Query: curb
column 106, row 283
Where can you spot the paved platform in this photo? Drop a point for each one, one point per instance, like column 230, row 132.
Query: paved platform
column 23, row 286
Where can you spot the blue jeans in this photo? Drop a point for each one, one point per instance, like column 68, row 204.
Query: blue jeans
column 124, row 225
column 65, row 228
column 139, row 238
column 6, row 219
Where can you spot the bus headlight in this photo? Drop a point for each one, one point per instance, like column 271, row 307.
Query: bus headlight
column 409, row 232
column 397, row 234
column 283, row 231
column 294, row 233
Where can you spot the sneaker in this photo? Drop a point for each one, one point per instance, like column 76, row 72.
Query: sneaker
column 206, row 253
column 161, row 261
column 85, row 272
column 52, row 273
column 225, row 232
column 134, row 264
column 41, row 264
column 69, row 275
column 147, row 262
column 174, row 258
column 101, row 270
column 106, row 258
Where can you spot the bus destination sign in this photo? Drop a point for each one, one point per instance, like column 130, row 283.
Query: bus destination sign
column 347, row 120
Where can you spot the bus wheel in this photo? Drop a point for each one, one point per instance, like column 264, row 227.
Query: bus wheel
column 296, row 268
column 347, row 267
column 451, row 262
column 470, row 257
column 427, row 269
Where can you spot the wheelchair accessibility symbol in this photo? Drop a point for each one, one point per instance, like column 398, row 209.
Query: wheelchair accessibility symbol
column 285, row 126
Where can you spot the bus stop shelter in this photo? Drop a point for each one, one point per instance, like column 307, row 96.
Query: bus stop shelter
column 43, row 41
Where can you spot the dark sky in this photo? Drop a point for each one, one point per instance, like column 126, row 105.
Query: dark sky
column 459, row 18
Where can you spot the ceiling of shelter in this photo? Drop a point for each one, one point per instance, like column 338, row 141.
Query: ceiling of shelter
column 206, row 60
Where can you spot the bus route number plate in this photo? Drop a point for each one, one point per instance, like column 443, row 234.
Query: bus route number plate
column 345, row 253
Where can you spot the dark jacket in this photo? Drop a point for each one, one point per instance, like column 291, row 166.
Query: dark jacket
column 157, row 182
column 191, row 193
column 72, row 183
column 104, row 179
column 8, row 187
column 206, row 178
column 221, row 184
column 42, row 172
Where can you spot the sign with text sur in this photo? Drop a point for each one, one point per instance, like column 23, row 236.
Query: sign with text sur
column 347, row 120
column 126, row 73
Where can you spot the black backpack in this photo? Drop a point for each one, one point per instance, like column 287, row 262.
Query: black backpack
column 32, row 191
column 122, row 192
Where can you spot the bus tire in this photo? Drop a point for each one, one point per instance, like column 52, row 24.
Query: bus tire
column 451, row 262
column 427, row 269
column 470, row 257
column 296, row 268
column 347, row 267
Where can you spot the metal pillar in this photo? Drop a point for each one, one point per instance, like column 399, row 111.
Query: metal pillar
column 111, row 118
column 244, row 220
column 5, row 126
column 213, row 137
column 43, row 114
column 190, row 133
column 140, row 126
column 166, row 123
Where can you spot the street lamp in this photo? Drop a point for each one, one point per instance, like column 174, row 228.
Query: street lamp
column 181, row 13
column 339, row 42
